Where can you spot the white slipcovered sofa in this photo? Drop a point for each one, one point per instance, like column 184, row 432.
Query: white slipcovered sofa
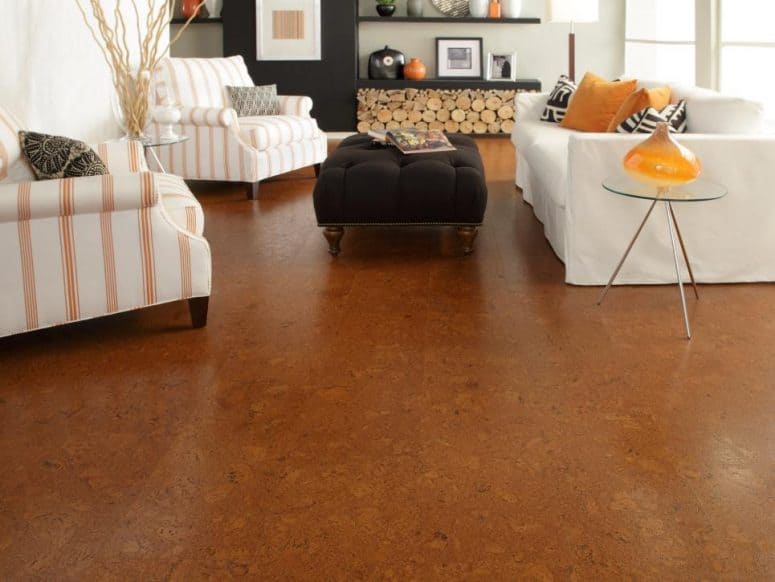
column 79, row 248
column 729, row 240
column 225, row 147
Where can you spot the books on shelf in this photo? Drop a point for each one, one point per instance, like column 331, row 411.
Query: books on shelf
column 414, row 141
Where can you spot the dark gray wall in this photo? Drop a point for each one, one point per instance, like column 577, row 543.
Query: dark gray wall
column 330, row 82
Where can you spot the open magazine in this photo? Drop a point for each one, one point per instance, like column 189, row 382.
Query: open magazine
column 415, row 141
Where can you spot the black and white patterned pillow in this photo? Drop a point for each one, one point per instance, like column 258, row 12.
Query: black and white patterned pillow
column 253, row 101
column 559, row 99
column 53, row 157
column 645, row 121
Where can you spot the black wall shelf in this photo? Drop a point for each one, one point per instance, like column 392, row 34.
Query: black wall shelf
column 177, row 20
column 448, row 20
column 521, row 84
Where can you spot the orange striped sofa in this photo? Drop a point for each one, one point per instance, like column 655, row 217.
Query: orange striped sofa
column 80, row 248
column 224, row 147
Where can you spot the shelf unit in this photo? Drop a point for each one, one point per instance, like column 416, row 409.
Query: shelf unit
column 448, row 20
column 363, row 20
column 520, row 84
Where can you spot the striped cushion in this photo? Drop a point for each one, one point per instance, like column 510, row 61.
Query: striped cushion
column 272, row 130
column 208, row 116
column 201, row 82
column 13, row 167
column 299, row 105
column 645, row 121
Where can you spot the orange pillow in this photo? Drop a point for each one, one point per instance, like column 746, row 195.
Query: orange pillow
column 595, row 103
column 658, row 98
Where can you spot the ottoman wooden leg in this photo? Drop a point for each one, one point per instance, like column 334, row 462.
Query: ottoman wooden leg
column 467, row 235
column 334, row 236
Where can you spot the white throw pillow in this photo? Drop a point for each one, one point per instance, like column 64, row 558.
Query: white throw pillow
column 711, row 112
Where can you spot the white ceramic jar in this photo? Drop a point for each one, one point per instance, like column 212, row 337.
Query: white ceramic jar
column 511, row 8
column 167, row 115
column 214, row 7
column 479, row 8
column 414, row 8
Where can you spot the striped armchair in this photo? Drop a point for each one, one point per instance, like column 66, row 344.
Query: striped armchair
column 224, row 147
column 80, row 248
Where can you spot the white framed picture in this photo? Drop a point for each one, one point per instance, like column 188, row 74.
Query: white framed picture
column 459, row 58
column 502, row 66
column 288, row 30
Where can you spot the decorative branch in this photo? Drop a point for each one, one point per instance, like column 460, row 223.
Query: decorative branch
column 133, row 85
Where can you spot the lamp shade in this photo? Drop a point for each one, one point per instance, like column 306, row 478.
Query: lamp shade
column 573, row 10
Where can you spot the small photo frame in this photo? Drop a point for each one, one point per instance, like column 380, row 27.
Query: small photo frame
column 502, row 66
column 459, row 58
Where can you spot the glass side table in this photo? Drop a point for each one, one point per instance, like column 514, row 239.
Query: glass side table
column 151, row 143
column 698, row 191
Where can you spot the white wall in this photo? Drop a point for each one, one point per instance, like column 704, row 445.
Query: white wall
column 53, row 75
column 199, row 40
column 542, row 50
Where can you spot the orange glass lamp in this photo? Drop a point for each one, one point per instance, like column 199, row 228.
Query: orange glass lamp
column 661, row 161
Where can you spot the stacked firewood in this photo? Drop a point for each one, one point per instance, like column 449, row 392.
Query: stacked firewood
column 452, row 110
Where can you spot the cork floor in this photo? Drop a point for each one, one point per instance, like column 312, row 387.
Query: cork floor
column 400, row 412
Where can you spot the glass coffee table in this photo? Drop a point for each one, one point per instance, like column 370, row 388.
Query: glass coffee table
column 151, row 143
column 698, row 191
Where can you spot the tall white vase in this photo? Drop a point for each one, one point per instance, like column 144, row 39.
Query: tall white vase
column 214, row 7
column 511, row 8
column 479, row 8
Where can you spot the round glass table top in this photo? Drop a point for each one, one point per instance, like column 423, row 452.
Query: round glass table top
column 152, row 142
column 697, row 191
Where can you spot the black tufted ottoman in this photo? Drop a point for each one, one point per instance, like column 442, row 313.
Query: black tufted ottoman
column 367, row 184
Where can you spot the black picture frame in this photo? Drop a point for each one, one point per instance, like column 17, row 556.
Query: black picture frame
column 475, row 44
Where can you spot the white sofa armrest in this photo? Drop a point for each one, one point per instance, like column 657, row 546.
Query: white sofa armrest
column 73, row 196
column 298, row 105
column 209, row 117
column 529, row 106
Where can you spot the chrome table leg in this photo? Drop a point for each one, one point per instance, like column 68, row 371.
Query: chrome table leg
column 157, row 160
column 678, row 269
column 626, row 253
column 683, row 249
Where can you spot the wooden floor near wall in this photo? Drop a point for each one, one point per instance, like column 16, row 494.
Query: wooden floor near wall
column 399, row 412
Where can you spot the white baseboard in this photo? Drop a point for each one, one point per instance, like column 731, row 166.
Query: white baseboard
column 339, row 134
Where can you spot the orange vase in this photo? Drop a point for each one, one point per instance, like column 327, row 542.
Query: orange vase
column 495, row 9
column 414, row 70
column 190, row 8
column 661, row 161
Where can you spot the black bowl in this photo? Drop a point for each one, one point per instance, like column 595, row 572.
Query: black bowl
column 386, row 9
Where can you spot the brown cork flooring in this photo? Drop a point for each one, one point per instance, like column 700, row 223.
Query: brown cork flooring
column 401, row 412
